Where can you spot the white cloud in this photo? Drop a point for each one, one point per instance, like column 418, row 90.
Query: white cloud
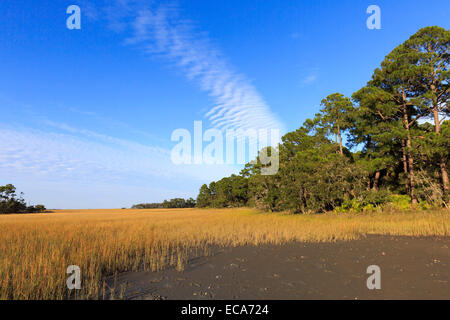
column 87, row 162
column 310, row 79
column 237, row 102
column 86, row 155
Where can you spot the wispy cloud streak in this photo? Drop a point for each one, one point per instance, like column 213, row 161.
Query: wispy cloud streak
column 237, row 103
column 82, row 154
column 81, row 168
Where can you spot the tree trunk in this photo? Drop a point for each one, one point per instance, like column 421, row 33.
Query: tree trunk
column 410, row 157
column 336, row 142
column 442, row 162
column 376, row 180
column 340, row 140
column 405, row 162
column 412, row 183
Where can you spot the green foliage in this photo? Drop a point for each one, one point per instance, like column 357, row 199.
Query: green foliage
column 367, row 201
column 10, row 202
column 399, row 163
column 39, row 208
column 172, row 203
column 423, row 205
column 334, row 118
column 353, row 205
column 228, row 192
column 371, row 200
column 399, row 202
column 204, row 197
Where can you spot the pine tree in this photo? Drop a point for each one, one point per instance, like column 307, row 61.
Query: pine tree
column 429, row 48
column 372, row 127
column 334, row 117
column 398, row 78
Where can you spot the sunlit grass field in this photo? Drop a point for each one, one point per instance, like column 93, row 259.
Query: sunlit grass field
column 36, row 249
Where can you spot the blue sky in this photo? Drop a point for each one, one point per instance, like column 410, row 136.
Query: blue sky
column 87, row 115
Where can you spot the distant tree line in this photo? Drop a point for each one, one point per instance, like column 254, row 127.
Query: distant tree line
column 172, row 203
column 400, row 157
column 10, row 202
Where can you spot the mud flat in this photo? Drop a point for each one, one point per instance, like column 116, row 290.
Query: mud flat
column 411, row 268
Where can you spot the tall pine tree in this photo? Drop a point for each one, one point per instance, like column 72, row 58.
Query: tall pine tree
column 429, row 49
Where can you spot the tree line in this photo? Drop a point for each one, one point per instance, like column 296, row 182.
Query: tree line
column 172, row 203
column 400, row 157
column 11, row 202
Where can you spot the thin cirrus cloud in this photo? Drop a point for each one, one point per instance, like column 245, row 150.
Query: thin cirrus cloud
column 84, row 155
column 73, row 155
column 79, row 168
column 310, row 79
column 237, row 103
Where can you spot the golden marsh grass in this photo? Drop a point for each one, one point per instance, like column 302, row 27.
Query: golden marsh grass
column 36, row 249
